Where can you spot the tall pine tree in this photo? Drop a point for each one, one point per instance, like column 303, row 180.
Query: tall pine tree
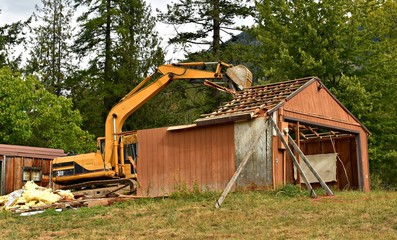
column 50, row 57
column 195, row 20
column 122, row 47
column 11, row 36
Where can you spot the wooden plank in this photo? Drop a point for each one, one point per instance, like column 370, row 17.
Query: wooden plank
column 353, row 156
column 297, row 133
column 28, row 162
column 312, row 192
column 236, row 174
column 18, row 183
column 320, row 180
column 9, row 176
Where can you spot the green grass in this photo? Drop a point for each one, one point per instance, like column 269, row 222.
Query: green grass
column 284, row 214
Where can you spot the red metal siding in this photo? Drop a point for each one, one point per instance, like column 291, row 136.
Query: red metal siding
column 319, row 103
column 318, row 107
column 202, row 156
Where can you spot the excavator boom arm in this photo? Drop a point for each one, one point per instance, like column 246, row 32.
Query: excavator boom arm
column 139, row 96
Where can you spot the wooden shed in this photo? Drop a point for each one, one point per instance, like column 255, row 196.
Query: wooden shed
column 206, row 154
column 19, row 164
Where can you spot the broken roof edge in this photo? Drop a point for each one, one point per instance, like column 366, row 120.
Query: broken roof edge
column 181, row 127
column 224, row 119
column 322, row 85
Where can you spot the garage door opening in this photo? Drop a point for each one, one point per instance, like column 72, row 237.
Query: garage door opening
column 333, row 152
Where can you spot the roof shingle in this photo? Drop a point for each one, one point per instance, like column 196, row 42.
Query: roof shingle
column 254, row 99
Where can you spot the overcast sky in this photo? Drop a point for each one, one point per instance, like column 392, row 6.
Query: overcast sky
column 15, row 10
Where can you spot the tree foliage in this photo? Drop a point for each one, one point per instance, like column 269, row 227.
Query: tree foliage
column 30, row 115
column 10, row 37
column 305, row 38
column 50, row 56
column 195, row 20
column 123, row 48
column 351, row 46
column 380, row 76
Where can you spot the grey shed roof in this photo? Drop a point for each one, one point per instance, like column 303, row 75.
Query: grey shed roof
column 32, row 152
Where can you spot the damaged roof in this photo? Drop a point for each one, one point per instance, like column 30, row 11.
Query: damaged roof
column 253, row 101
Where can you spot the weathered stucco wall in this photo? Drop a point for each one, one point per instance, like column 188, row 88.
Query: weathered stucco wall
column 257, row 173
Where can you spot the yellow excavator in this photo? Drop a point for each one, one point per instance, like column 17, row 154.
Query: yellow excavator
column 114, row 162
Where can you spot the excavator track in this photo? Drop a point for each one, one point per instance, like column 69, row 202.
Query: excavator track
column 102, row 188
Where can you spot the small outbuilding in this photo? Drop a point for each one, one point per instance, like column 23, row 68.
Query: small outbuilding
column 207, row 153
column 19, row 164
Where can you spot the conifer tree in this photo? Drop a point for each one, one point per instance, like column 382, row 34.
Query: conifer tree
column 50, row 55
column 122, row 46
column 202, row 22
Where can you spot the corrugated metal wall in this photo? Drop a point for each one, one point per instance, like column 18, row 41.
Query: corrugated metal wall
column 202, row 156
column 257, row 173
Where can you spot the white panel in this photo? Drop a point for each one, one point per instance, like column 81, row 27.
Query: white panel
column 324, row 164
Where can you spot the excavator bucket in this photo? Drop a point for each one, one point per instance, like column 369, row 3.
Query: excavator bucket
column 240, row 75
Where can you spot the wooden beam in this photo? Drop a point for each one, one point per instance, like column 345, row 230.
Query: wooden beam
column 303, row 135
column 314, row 132
column 312, row 192
column 238, row 171
column 230, row 184
column 297, row 133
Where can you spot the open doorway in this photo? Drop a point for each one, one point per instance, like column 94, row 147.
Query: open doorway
column 320, row 143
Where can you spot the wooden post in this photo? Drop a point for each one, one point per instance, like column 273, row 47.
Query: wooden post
column 284, row 168
column 234, row 178
column 309, row 165
column 312, row 192
column 297, row 133
column 229, row 186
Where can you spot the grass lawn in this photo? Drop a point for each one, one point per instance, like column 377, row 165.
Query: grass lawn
column 243, row 215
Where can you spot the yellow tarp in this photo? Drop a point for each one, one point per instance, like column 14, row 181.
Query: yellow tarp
column 32, row 195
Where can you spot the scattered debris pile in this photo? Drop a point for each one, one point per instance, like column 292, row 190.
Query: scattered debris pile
column 33, row 197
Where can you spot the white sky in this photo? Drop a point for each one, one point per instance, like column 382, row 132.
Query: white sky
column 15, row 10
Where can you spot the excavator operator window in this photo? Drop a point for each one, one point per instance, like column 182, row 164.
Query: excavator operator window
column 131, row 150
column 102, row 145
